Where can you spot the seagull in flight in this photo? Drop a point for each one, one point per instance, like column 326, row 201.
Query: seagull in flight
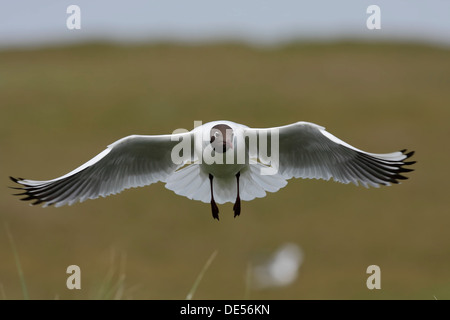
column 219, row 162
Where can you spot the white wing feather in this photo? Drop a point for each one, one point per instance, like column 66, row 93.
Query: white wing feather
column 307, row 150
column 133, row 161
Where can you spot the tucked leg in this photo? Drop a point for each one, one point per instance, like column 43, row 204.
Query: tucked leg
column 237, row 204
column 214, row 208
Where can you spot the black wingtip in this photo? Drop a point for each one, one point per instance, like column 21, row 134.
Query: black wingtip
column 38, row 201
column 30, row 197
column 401, row 168
column 409, row 154
column 20, row 194
column 27, row 195
column 14, row 179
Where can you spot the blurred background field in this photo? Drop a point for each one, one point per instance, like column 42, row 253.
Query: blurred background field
column 61, row 106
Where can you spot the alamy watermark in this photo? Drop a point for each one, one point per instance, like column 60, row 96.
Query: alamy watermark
column 74, row 280
column 374, row 280
column 374, row 20
column 73, row 22
column 240, row 147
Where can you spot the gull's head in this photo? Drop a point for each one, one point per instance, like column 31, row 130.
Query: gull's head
column 221, row 138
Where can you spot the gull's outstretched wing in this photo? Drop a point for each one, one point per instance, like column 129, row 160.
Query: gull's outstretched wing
column 133, row 161
column 307, row 150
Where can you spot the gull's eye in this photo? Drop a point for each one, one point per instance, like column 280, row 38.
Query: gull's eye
column 216, row 134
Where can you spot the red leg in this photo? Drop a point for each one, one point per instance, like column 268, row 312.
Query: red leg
column 214, row 208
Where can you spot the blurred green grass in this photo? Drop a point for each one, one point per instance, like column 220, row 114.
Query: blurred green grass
column 61, row 106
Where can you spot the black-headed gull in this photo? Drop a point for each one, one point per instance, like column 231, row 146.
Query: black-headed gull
column 220, row 162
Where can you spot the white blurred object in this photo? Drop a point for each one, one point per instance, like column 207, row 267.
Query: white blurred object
column 281, row 269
